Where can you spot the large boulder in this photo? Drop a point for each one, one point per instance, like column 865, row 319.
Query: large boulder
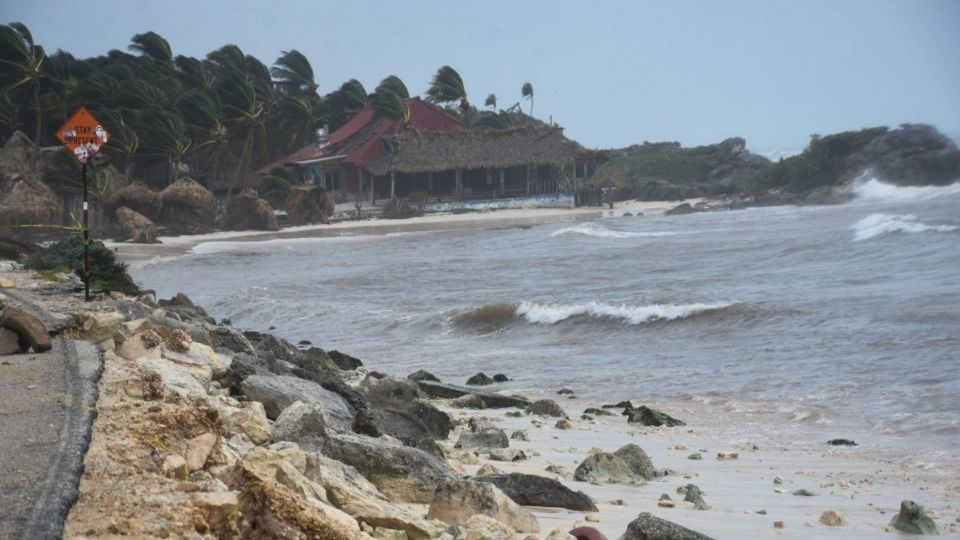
column 247, row 211
column 279, row 501
column 546, row 407
column 277, row 392
column 186, row 309
column 649, row 527
column 483, row 440
column 349, row 491
column 136, row 227
column 913, row 519
column 532, row 490
column 303, row 423
column 650, row 417
column 402, row 396
column 404, row 427
column 345, row 361
column 914, row 155
column 490, row 399
column 402, row 473
column 456, row 501
column 628, row 465
column 30, row 331
column 422, row 375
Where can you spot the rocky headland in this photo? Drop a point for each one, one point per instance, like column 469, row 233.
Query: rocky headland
column 824, row 173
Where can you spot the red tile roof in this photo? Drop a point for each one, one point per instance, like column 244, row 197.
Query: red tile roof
column 362, row 141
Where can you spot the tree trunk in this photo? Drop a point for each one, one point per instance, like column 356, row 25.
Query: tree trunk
column 36, row 103
column 244, row 156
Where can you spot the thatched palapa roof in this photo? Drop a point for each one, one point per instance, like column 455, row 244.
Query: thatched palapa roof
column 413, row 152
column 30, row 201
column 137, row 197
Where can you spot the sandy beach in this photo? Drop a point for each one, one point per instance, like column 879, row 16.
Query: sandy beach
column 865, row 486
column 174, row 246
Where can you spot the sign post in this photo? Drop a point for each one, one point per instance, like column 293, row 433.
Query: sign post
column 83, row 136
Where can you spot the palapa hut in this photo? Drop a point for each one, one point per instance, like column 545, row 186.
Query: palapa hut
column 137, row 197
column 187, row 207
column 29, row 202
column 480, row 163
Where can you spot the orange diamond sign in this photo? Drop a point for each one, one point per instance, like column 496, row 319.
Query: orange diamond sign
column 83, row 135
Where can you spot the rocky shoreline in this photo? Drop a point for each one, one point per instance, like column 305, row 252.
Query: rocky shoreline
column 207, row 431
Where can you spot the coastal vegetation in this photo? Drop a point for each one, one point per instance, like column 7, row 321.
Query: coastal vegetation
column 66, row 256
column 215, row 119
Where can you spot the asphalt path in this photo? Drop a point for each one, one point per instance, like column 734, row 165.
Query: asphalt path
column 47, row 406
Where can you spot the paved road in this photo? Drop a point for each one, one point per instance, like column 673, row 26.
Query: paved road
column 47, row 405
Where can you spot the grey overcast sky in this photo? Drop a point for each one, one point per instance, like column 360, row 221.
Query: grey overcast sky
column 612, row 73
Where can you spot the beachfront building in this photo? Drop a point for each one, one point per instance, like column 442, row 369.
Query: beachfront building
column 338, row 162
column 431, row 157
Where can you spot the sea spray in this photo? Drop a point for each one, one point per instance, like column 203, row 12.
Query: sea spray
column 877, row 224
column 870, row 189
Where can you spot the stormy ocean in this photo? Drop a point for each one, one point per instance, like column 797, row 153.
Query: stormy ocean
column 803, row 323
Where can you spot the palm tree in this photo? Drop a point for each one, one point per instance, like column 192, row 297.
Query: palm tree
column 23, row 62
column 491, row 101
column 297, row 117
column 153, row 46
column 203, row 113
column 390, row 98
column 63, row 73
column 345, row 102
column 245, row 89
column 447, row 87
column 168, row 139
column 294, row 73
column 527, row 92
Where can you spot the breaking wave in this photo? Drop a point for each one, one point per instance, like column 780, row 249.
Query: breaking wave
column 873, row 190
column 493, row 317
column 878, row 224
column 599, row 231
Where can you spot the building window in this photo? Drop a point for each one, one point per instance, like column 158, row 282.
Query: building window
column 333, row 180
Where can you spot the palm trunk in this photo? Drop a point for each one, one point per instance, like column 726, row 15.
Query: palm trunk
column 36, row 103
column 244, row 156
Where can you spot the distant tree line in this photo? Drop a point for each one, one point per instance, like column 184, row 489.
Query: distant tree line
column 215, row 119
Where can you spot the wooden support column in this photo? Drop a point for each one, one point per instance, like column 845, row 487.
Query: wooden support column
column 528, row 179
column 373, row 189
column 459, row 178
column 503, row 182
column 393, row 185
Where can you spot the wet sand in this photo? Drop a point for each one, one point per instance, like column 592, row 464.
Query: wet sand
column 175, row 246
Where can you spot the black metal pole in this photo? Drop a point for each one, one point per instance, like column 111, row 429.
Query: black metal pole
column 86, row 239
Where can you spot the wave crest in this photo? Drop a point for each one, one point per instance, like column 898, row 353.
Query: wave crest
column 873, row 190
column 879, row 223
column 597, row 230
column 494, row 317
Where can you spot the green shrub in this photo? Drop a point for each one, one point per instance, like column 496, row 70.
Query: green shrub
column 106, row 272
column 9, row 251
column 397, row 209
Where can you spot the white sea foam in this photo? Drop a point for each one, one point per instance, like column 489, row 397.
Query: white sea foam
column 599, row 231
column 878, row 224
column 873, row 190
column 554, row 313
